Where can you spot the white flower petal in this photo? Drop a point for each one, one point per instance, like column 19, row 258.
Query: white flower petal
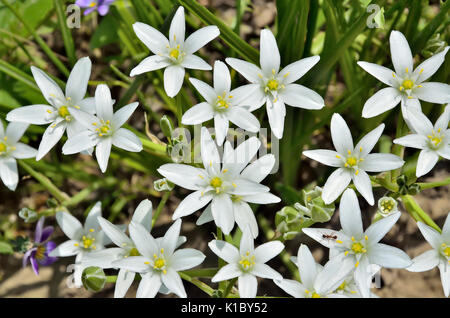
column 428, row 67
column 235, row 161
column 221, row 125
column 400, row 53
column 135, row 264
column 292, row 287
column 340, row 133
column 77, row 83
column 261, row 198
column 228, row 271
column 424, row 262
column 364, row 186
column 51, row 136
column 198, row 114
column 143, row 240
column 243, row 119
column 192, row 203
column 123, row 114
column 248, row 70
column 114, row 233
column 269, row 54
column 363, row 277
column 170, row 239
column 295, row 70
column 426, row 161
column 327, row 157
column 446, row 228
column 152, row 38
column 34, row 114
column 247, row 242
column 259, row 169
column 382, row 101
column 444, row 270
column 205, row 217
column 412, row 141
column 336, row 184
column 366, row 144
column 383, row 74
column 68, row 248
column 300, row 96
column 265, row 271
column 377, row 162
column 306, row 266
column 420, row 123
column 9, row 173
column 124, row 280
column 173, row 79
column 438, row 93
column 388, row 256
column 200, row 38
column 186, row 258
column 91, row 222
column 244, row 217
column 103, row 102
column 15, row 131
column 222, row 211
column 222, row 78
column 173, row 282
column 79, row 143
column 185, row 176
column 250, row 95
column 50, row 90
column 245, row 187
column 127, row 140
column 248, row 286
column 225, row 251
column 102, row 152
column 321, row 235
column 196, row 63
column 350, row 214
column 207, row 92
column 267, row 251
column 23, row 151
column 431, row 235
column 69, row 225
column 151, row 63
column 149, row 286
column 143, row 214
column 376, row 231
column 177, row 27
column 276, row 113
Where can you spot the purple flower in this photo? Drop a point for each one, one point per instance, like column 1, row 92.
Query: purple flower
column 41, row 248
column 102, row 6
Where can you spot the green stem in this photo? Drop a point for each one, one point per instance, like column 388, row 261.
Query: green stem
column 204, row 287
column 160, row 207
column 417, row 213
column 229, row 287
column 429, row 185
column 46, row 182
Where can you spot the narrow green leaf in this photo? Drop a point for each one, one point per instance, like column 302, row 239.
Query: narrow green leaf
column 66, row 34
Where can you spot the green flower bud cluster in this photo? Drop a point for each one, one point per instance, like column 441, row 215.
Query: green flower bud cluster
column 163, row 185
column 404, row 188
column 28, row 215
column 311, row 209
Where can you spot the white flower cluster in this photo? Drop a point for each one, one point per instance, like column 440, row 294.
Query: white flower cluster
column 228, row 183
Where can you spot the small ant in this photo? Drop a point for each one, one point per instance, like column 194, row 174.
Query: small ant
column 329, row 236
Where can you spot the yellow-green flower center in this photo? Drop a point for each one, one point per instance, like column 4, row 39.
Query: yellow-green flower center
column 315, row 295
column 134, row 252
column 3, row 147
column 236, row 198
column 272, row 84
column 104, row 128
column 63, row 111
column 436, row 138
column 446, row 250
column 222, row 102
column 358, row 248
column 247, row 261
column 342, row 286
column 216, row 182
column 174, row 53
column 159, row 263
column 88, row 242
column 351, row 161
column 407, row 84
column 387, row 205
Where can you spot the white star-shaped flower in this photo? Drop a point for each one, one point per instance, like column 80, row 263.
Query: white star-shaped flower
column 220, row 184
column 10, row 150
column 438, row 256
column 276, row 87
column 433, row 141
column 246, row 263
column 354, row 248
column 353, row 163
column 159, row 262
column 317, row 281
column 174, row 54
column 59, row 112
column 407, row 85
column 103, row 130
column 222, row 104
column 82, row 239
